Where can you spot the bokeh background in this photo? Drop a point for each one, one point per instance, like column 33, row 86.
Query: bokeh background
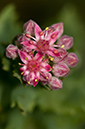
column 38, row 108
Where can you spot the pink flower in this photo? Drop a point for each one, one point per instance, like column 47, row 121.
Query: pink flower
column 33, row 68
column 44, row 40
column 11, row 51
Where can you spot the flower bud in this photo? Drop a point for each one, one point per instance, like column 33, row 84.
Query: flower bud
column 55, row 83
column 72, row 60
column 60, row 70
column 66, row 42
column 22, row 38
column 29, row 27
column 11, row 51
column 63, row 53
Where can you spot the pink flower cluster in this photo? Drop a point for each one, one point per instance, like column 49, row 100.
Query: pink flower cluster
column 44, row 54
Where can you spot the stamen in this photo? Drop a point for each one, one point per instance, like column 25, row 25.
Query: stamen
column 62, row 46
column 50, row 69
column 51, row 58
column 31, row 42
column 28, row 82
column 28, row 35
column 19, row 63
column 21, row 73
column 46, row 28
column 46, row 77
column 53, row 36
column 41, row 33
column 55, row 51
column 26, row 58
column 35, row 80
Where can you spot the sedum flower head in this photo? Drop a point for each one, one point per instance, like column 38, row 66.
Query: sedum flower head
column 44, row 54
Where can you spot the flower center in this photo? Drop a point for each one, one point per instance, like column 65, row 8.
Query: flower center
column 43, row 45
column 33, row 65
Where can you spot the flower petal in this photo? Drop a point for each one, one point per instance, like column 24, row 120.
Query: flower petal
column 39, row 57
column 30, row 44
column 24, row 56
column 53, row 52
column 36, row 78
column 38, row 32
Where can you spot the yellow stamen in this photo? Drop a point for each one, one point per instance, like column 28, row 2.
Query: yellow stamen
column 46, row 28
column 19, row 63
column 21, row 73
column 62, row 46
column 28, row 82
column 26, row 58
column 35, row 80
column 50, row 68
column 51, row 58
column 46, row 77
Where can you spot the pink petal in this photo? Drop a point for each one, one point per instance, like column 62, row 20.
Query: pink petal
column 46, row 66
column 29, row 44
column 37, row 32
column 36, row 79
column 53, row 37
column 24, row 56
column 58, row 27
column 38, row 57
column 55, row 83
column 53, row 52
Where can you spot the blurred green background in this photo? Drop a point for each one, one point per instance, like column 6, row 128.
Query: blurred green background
column 37, row 108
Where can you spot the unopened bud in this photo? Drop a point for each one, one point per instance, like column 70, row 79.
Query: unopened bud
column 60, row 70
column 72, row 60
column 63, row 53
column 55, row 83
column 11, row 51
column 29, row 27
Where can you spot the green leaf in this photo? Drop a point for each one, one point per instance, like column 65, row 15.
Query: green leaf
column 6, row 64
column 25, row 98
